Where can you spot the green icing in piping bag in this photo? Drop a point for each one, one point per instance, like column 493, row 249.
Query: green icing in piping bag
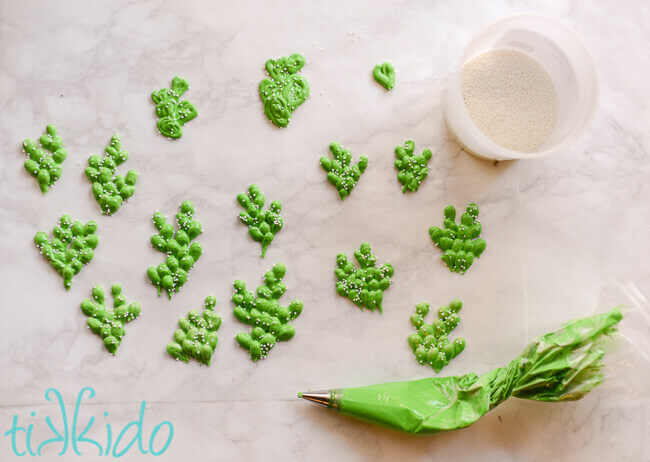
column 340, row 173
column 46, row 168
column 197, row 335
column 173, row 112
column 285, row 90
column 384, row 75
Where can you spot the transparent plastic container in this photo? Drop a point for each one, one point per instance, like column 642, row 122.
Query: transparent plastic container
column 564, row 57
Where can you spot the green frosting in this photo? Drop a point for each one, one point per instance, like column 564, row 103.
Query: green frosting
column 109, row 324
column 285, row 90
column 431, row 343
column 366, row 285
column 412, row 169
column 384, row 74
column 181, row 252
column 340, row 173
column 459, row 242
column 43, row 166
column 109, row 188
column 173, row 112
column 197, row 336
column 262, row 224
column 70, row 249
column 270, row 321
column 560, row 366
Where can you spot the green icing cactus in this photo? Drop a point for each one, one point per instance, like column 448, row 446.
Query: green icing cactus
column 197, row 336
column 173, row 112
column 109, row 188
column 181, row 252
column 431, row 342
column 270, row 321
column 263, row 225
column 109, row 324
column 285, row 90
column 412, row 169
column 340, row 173
column 366, row 285
column 384, row 75
column 70, row 249
column 459, row 243
column 45, row 167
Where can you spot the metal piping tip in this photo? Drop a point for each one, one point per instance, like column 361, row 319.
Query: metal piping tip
column 324, row 398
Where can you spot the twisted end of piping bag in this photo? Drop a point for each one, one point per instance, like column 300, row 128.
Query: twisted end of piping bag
column 560, row 366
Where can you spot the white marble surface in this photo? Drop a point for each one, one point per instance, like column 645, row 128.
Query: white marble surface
column 561, row 232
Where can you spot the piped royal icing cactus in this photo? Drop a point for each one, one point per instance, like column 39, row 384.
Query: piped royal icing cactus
column 340, row 173
column 460, row 243
column 285, row 90
column 384, row 75
column 173, row 112
column 430, row 343
column 412, row 169
column 366, row 285
column 263, row 225
column 263, row 312
column 181, row 252
column 197, row 335
column 110, row 188
column 70, row 249
column 109, row 324
column 45, row 167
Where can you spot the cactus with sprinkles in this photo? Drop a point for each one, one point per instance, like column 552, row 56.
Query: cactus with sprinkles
column 108, row 323
column 196, row 336
column 412, row 168
column 430, row 343
column 179, row 246
column 340, row 171
column 460, row 243
column 365, row 286
column 109, row 187
column 263, row 225
column 70, row 249
column 173, row 112
column 285, row 90
column 45, row 167
column 269, row 320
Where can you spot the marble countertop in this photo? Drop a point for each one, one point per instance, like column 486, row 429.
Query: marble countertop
column 566, row 235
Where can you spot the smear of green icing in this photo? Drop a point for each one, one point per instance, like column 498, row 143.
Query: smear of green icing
column 71, row 247
column 197, row 335
column 109, row 324
column 563, row 365
column 460, row 243
column 412, row 169
column 44, row 166
column 269, row 320
column 285, row 90
column 263, row 225
column 430, row 343
column 384, row 74
column 181, row 252
column 340, row 173
column 110, row 188
column 364, row 286
column 173, row 112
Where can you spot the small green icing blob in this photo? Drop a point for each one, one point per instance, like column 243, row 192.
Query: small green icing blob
column 110, row 188
column 384, row 75
column 340, row 173
column 269, row 320
column 181, row 252
column 412, row 169
column 460, row 243
column 71, row 247
column 109, row 324
column 285, row 90
column 197, row 335
column 173, row 112
column 263, row 225
column 366, row 285
column 42, row 165
column 430, row 343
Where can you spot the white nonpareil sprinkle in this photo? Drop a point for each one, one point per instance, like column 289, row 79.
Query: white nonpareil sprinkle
column 510, row 97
